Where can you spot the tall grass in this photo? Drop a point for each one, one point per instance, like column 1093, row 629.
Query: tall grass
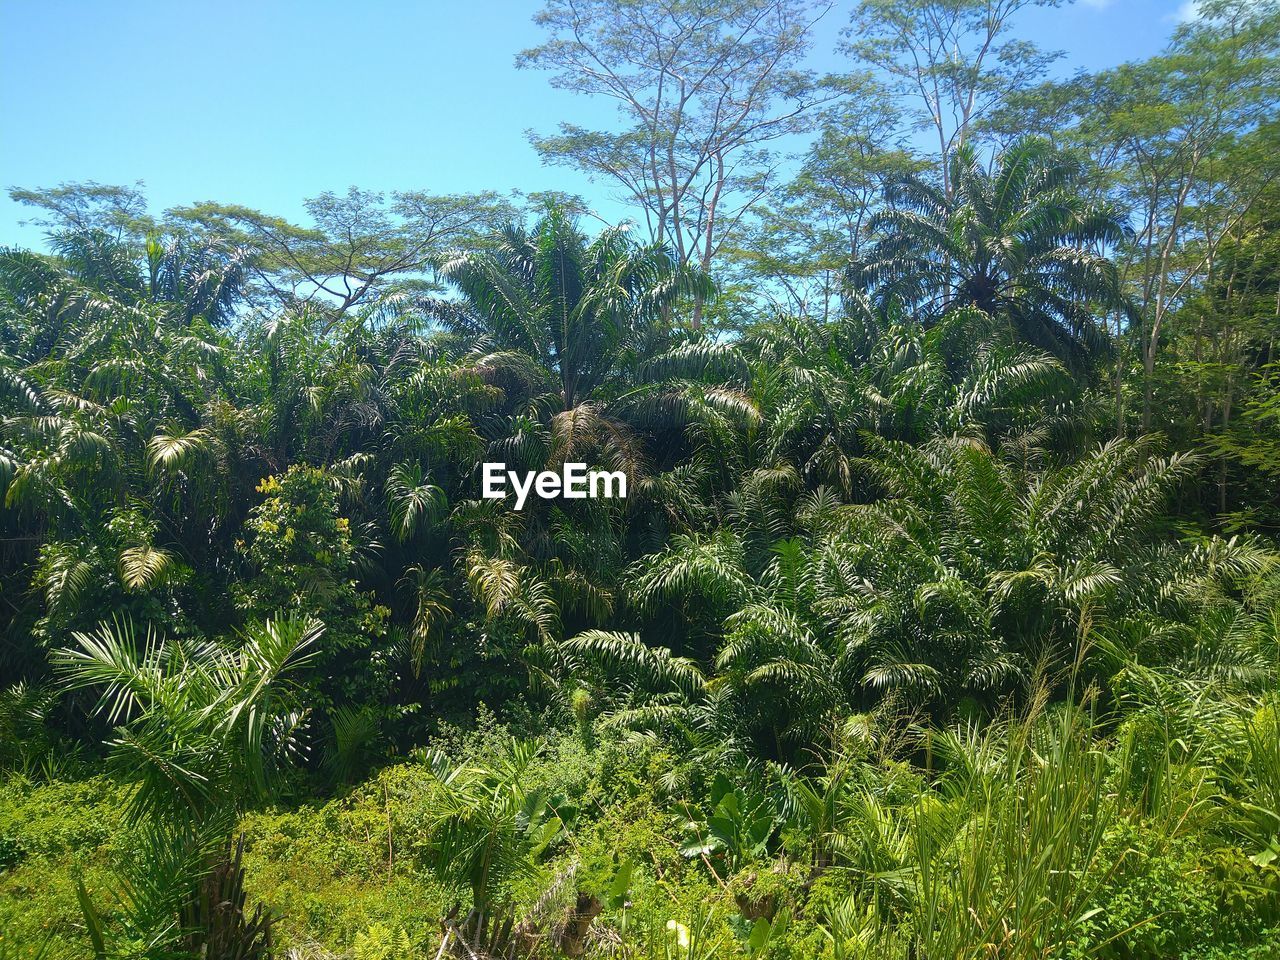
column 1006, row 852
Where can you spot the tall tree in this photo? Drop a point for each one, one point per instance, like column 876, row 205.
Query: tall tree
column 704, row 90
column 578, row 309
column 1193, row 132
column 949, row 61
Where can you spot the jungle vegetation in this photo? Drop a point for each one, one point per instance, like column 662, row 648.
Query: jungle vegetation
column 941, row 619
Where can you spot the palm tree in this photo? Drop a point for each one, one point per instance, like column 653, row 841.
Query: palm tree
column 963, row 581
column 1023, row 244
column 820, row 386
column 488, row 825
column 579, row 336
column 108, row 388
column 574, row 312
column 579, row 332
column 199, row 729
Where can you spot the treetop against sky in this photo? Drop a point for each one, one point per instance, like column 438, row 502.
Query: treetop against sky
column 268, row 104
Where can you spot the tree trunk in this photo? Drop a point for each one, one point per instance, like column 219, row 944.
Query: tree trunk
column 573, row 935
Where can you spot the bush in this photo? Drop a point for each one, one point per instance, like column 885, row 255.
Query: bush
column 50, row 833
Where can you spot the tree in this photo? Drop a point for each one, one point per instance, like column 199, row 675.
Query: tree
column 1216, row 383
column 576, row 332
column 1180, row 143
column 1192, row 130
column 1020, row 244
column 358, row 247
column 963, row 583
column 954, row 59
column 118, row 211
column 489, row 825
column 199, row 730
column 580, row 326
column 799, row 239
column 109, row 346
column 704, row 92
column 301, row 556
column 828, row 385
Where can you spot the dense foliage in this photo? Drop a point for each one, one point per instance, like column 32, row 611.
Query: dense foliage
column 941, row 618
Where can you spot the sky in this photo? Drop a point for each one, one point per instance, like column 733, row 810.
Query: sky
column 267, row 102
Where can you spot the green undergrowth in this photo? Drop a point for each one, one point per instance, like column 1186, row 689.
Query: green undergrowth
column 1137, row 846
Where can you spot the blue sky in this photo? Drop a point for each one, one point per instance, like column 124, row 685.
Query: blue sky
column 265, row 103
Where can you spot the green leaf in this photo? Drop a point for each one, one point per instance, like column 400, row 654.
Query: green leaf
column 92, row 921
column 617, row 894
